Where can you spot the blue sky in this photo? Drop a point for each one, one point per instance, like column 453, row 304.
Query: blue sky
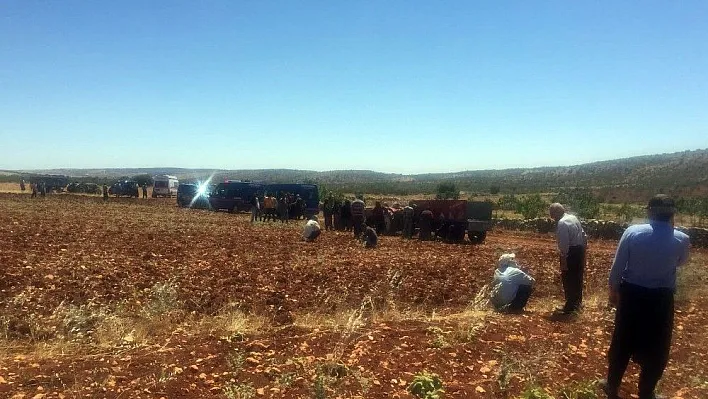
column 394, row 86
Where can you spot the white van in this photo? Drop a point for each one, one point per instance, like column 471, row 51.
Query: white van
column 164, row 186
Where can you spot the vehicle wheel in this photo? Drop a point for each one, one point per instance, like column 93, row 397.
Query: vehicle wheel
column 477, row 237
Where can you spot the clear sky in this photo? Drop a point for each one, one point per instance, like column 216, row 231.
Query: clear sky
column 393, row 86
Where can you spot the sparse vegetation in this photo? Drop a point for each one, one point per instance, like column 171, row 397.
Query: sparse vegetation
column 580, row 390
column 234, row 390
column 165, row 299
column 426, row 385
column 536, row 392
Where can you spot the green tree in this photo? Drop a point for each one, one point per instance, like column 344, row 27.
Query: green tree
column 581, row 201
column 447, row 190
column 494, row 189
column 532, row 206
column 627, row 212
column 143, row 179
column 508, row 202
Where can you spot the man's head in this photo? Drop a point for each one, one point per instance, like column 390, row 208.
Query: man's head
column 556, row 211
column 661, row 208
column 506, row 260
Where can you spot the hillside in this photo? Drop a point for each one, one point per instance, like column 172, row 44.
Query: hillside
column 681, row 173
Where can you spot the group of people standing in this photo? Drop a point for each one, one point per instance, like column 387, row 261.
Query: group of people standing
column 642, row 285
column 354, row 220
column 38, row 188
column 281, row 207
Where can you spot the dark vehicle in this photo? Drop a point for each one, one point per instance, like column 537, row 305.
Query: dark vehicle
column 453, row 218
column 83, row 188
column 235, row 196
column 55, row 183
column 127, row 188
column 193, row 195
column 309, row 193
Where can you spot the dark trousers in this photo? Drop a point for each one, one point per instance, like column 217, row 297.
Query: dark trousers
column 522, row 297
column 313, row 236
column 358, row 221
column 573, row 278
column 407, row 228
column 328, row 221
column 643, row 325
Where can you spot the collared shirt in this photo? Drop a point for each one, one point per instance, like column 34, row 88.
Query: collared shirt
column 358, row 208
column 648, row 255
column 506, row 283
column 570, row 233
column 310, row 227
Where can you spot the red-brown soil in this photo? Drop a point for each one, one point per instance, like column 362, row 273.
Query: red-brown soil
column 405, row 307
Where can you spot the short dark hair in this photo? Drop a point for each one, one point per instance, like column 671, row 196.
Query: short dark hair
column 661, row 207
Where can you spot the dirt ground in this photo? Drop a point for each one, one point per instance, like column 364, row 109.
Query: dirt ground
column 136, row 298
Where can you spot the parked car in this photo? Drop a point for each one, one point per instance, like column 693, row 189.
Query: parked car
column 126, row 188
column 164, row 186
column 193, row 195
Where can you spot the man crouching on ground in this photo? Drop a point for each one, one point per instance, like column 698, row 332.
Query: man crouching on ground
column 311, row 230
column 511, row 287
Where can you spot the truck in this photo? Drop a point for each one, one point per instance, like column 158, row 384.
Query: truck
column 164, row 186
column 452, row 219
column 125, row 188
column 52, row 183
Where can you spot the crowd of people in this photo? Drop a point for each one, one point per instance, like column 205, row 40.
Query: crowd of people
column 355, row 211
column 277, row 207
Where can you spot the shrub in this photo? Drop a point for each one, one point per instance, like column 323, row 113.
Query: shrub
column 581, row 201
column 426, row 386
column 447, row 190
column 535, row 392
column 580, row 390
column 532, row 206
column 508, row 202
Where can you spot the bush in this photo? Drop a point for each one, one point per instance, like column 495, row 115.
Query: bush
column 508, row 202
column 535, row 392
column 447, row 190
column 143, row 179
column 532, row 206
column 581, row 201
column 426, row 386
column 580, row 390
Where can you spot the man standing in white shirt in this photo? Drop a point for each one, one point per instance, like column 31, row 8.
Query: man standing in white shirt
column 571, row 246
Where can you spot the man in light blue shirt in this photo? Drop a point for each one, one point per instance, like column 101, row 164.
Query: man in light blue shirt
column 511, row 287
column 642, row 285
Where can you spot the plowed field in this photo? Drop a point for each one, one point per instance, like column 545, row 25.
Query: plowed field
column 139, row 298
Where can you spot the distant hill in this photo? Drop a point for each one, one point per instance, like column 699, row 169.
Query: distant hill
column 681, row 173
